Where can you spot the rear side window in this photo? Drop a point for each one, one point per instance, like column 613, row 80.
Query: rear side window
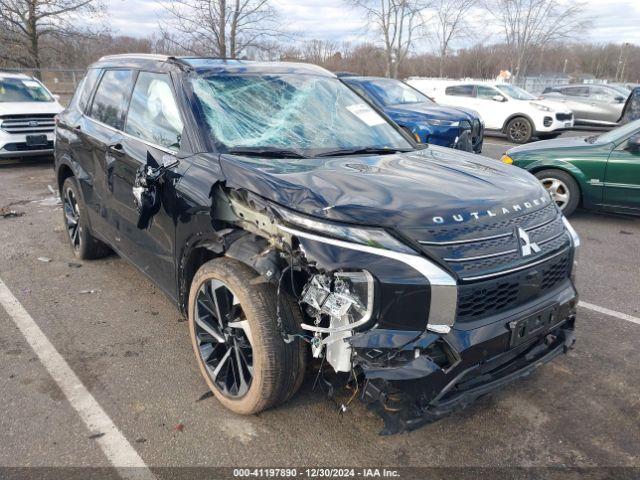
column 576, row 91
column 153, row 115
column 460, row 91
column 86, row 88
column 111, row 97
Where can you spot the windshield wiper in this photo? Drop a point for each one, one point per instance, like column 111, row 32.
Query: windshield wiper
column 265, row 152
column 362, row 151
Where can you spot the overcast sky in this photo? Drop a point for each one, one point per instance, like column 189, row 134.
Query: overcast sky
column 613, row 20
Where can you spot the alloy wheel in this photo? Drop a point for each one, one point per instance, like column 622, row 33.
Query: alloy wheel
column 224, row 339
column 558, row 190
column 519, row 130
column 72, row 218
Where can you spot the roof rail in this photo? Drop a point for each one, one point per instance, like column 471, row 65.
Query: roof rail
column 150, row 56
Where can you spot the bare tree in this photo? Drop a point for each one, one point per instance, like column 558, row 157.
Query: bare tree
column 450, row 23
column 225, row 28
column 398, row 21
column 26, row 24
column 531, row 24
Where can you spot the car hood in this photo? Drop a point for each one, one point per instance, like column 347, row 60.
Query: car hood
column 432, row 111
column 405, row 190
column 566, row 142
column 20, row 108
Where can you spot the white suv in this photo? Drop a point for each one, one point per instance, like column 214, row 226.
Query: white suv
column 27, row 109
column 503, row 107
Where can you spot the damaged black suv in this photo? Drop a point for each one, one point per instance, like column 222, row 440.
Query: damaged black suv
column 288, row 220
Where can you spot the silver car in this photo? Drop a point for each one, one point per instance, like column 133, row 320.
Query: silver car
column 598, row 105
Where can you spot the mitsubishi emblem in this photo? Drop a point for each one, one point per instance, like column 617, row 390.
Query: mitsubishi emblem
column 527, row 247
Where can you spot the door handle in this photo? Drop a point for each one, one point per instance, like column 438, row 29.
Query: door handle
column 116, row 148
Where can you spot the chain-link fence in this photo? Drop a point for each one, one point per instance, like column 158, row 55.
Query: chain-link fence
column 62, row 82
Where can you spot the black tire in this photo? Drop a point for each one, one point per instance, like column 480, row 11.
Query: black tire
column 277, row 368
column 83, row 245
column 557, row 182
column 519, row 130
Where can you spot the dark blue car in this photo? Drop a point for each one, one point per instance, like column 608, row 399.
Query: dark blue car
column 424, row 119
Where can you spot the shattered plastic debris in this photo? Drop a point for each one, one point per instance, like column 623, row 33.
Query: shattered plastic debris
column 88, row 291
column 179, row 427
column 6, row 213
column 44, row 259
column 74, row 265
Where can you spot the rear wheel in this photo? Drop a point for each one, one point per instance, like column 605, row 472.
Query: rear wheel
column 238, row 346
column 84, row 245
column 519, row 130
column 563, row 189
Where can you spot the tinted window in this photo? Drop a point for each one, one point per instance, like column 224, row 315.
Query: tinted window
column 111, row 97
column 86, row 88
column 153, row 114
column 460, row 91
column 576, row 91
column 487, row 92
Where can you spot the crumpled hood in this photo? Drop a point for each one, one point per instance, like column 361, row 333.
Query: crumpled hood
column 432, row 111
column 405, row 190
column 21, row 108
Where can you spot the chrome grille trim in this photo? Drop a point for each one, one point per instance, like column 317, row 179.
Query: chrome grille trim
column 516, row 269
column 482, row 257
column 21, row 124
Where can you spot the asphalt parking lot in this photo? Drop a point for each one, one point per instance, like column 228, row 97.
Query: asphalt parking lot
column 130, row 349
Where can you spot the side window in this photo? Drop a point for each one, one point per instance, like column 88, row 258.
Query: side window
column 460, row 91
column 602, row 94
column 487, row 93
column 86, row 88
column 576, row 91
column 111, row 97
column 153, row 115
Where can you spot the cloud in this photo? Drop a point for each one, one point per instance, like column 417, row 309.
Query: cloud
column 613, row 20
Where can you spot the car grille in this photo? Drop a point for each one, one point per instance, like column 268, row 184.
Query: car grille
column 476, row 132
column 563, row 117
column 494, row 275
column 482, row 299
column 27, row 124
column 23, row 147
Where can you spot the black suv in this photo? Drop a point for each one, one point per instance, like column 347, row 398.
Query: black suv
column 288, row 219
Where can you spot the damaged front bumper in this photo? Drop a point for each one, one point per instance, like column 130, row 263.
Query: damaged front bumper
column 431, row 376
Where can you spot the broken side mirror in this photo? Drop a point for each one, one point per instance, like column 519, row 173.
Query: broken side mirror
column 145, row 187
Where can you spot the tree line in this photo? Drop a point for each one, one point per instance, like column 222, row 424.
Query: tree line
column 439, row 38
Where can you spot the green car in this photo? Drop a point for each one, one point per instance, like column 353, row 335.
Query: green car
column 597, row 172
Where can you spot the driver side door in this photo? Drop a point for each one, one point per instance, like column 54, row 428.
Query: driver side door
column 152, row 133
column 622, row 177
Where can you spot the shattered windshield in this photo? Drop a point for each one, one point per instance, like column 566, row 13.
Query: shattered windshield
column 302, row 114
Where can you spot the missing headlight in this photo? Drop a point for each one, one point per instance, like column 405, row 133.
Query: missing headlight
column 338, row 303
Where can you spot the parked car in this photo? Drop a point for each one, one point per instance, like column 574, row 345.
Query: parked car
column 27, row 111
column 631, row 110
column 424, row 119
column 593, row 105
column 596, row 172
column 286, row 218
column 503, row 107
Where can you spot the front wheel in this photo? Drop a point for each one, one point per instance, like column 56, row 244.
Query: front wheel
column 238, row 345
column 519, row 130
column 563, row 189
